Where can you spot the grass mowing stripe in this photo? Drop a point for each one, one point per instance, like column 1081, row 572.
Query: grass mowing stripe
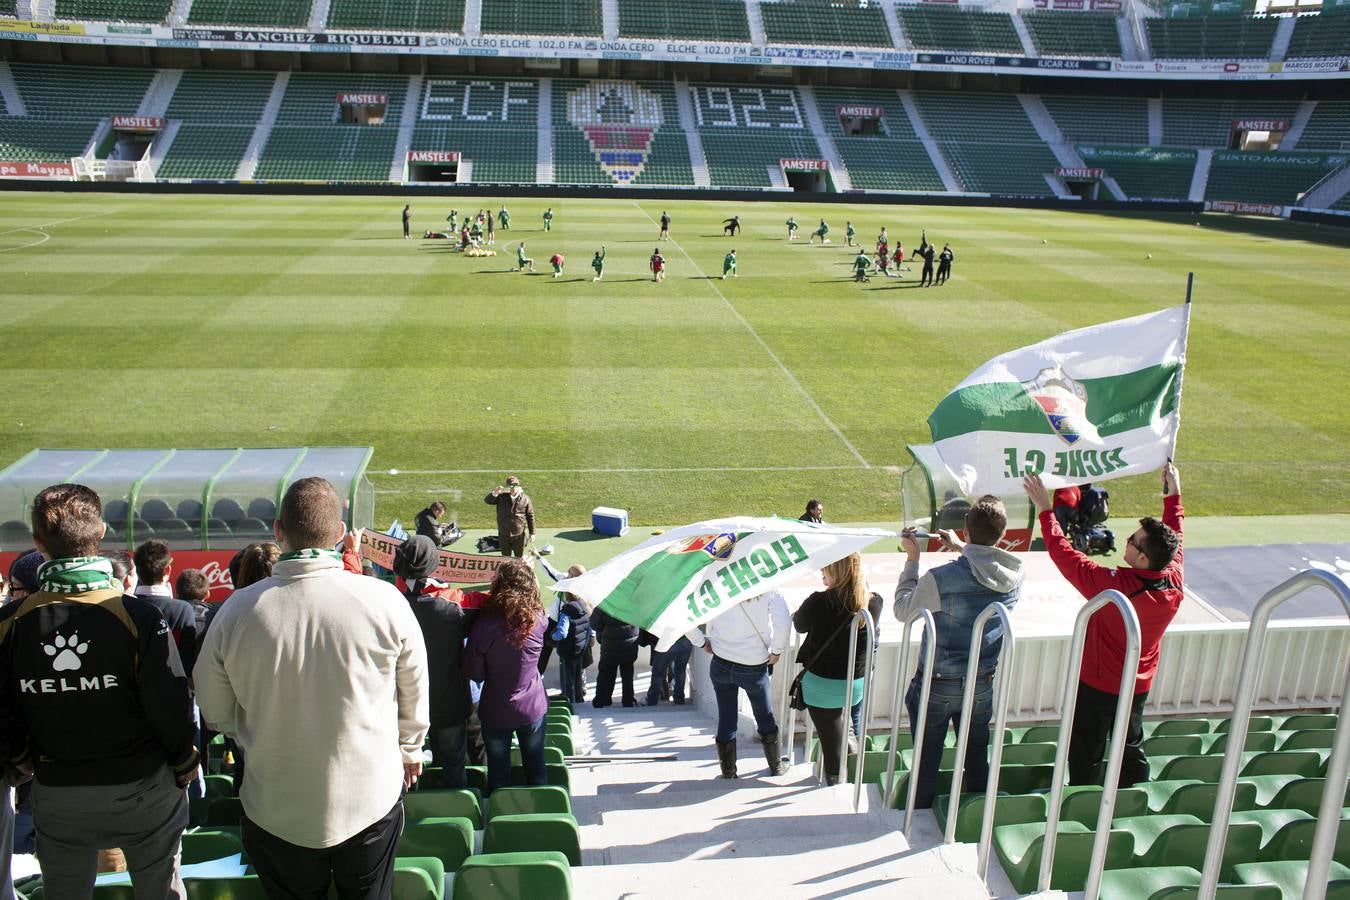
column 767, row 349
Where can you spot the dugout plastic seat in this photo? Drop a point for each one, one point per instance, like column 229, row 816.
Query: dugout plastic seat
column 156, row 510
column 239, row 887
column 15, row 532
column 262, row 508
column 115, row 511
column 204, row 846
column 253, row 528
column 175, row 530
column 510, row 876
column 1009, row 809
column 227, row 509
column 218, row 530
column 544, row 798
column 457, row 803
column 534, row 831
column 189, row 510
column 1019, row 851
column 1291, row 875
column 449, row 839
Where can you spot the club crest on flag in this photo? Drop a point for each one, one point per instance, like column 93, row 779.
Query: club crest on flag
column 718, row 546
column 1064, row 402
column 619, row 120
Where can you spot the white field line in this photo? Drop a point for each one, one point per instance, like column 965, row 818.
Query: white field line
column 45, row 238
column 627, row 471
column 57, row 222
column 767, row 349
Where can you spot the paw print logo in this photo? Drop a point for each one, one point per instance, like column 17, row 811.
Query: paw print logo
column 67, row 651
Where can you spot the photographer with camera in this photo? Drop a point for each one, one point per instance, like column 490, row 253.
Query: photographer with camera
column 429, row 526
column 515, row 516
column 1151, row 578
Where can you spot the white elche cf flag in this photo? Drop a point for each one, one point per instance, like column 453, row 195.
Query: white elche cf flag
column 1089, row 405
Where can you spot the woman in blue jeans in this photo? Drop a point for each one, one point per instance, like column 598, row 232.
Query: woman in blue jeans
column 503, row 653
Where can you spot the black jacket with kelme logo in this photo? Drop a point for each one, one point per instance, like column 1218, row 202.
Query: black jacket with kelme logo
column 94, row 691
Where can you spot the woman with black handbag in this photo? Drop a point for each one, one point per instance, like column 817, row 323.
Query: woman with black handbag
column 824, row 618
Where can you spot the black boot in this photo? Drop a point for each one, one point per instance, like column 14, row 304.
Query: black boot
column 726, row 755
column 771, row 755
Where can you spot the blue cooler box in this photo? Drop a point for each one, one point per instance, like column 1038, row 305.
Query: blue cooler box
column 609, row 521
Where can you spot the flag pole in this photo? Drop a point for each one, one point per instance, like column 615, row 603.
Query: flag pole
column 1185, row 338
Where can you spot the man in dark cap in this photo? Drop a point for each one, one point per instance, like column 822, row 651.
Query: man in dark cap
column 23, row 575
column 515, row 516
column 444, row 621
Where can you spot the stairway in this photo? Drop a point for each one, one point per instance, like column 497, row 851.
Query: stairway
column 944, row 171
column 674, row 829
column 179, row 12
column 1296, row 126
column 318, row 15
column 1155, row 122
column 896, row 28
column 159, row 147
column 755, row 16
column 838, row 171
column 473, row 18
column 159, row 94
column 698, row 160
column 609, row 18
column 1284, row 30
column 1329, row 190
column 1129, row 47
column 1200, row 178
column 543, row 166
column 9, row 92
column 412, row 107
column 249, row 164
column 1024, row 35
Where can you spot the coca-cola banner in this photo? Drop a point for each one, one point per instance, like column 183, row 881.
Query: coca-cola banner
column 452, row 568
column 215, row 565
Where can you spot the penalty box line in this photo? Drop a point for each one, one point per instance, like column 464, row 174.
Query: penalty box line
column 767, row 349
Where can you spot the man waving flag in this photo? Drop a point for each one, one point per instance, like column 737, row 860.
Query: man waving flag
column 675, row 581
column 1089, row 405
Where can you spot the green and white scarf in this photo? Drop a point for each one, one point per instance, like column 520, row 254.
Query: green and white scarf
column 311, row 553
column 76, row 575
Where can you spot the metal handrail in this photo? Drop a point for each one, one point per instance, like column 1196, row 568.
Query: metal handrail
column 902, row 664
column 1128, row 674
column 1002, row 677
column 1329, row 813
column 788, row 715
column 864, row 714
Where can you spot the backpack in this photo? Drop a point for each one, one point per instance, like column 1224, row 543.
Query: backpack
column 489, row 544
column 1093, row 508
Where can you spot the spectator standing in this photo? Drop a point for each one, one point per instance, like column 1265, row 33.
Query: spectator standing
column 824, row 618
column 503, row 654
column 571, row 634
column 515, row 516
column 1152, row 580
column 154, row 568
column 618, row 652
column 814, row 512
column 956, row 593
column 745, row 643
column 672, row 665
column 100, row 713
column 23, row 580
column 321, row 676
column 444, row 624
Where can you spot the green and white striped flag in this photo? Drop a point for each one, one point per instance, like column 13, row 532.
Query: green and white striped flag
column 1087, row 405
column 675, row 581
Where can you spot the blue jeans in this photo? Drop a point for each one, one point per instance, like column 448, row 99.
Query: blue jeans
column 677, row 658
column 727, row 679
column 449, row 751
column 944, row 708
column 498, row 747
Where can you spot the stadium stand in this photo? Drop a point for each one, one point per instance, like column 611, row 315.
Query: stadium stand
column 308, row 142
column 491, row 122
column 416, row 15
column 948, row 28
column 219, row 112
column 1327, row 34
column 1328, row 128
column 824, row 22
column 1265, row 177
column 748, row 130
column 64, row 106
column 1145, row 173
column 1212, row 37
column 542, row 17
column 7, row 7
column 114, row 10
column 1073, row 33
column 1209, row 123
column 963, row 125
column 1117, row 120
column 893, row 161
column 281, row 13
column 618, row 132
column 708, row 20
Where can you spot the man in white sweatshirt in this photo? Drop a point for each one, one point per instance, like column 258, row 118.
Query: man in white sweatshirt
column 320, row 675
column 744, row 642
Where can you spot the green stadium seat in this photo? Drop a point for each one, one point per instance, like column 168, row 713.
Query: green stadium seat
column 1174, row 745
column 224, row 811
column 1061, row 33
column 580, row 17
column 1328, row 129
column 214, row 786
column 418, row 878
column 1304, row 794
column 1195, row 768
column 114, row 10
column 448, row 839
column 825, row 22
column 1211, row 37
column 512, row 876
column 1181, row 841
column 282, row 13
column 1291, row 876
column 1310, row 721
column 708, row 20
column 562, row 741
column 1039, row 734
column 1009, row 809
column 1084, row 805
column 1173, row 883
column 1164, row 727
column 1307, row 763
column 536, row 799
column 477, row 779
column 426, row 804
column 114, row 892
column 1019, row 850
column 1256, row 740
column 414, row 15
column 551, row 755
column 1198, row 800
column 874, row 765
column 204, row 846
column 1294, row 841
column 238, row 887
column 1270, row 821
column 533, row 831
column 950, row 28
column 1025, row 754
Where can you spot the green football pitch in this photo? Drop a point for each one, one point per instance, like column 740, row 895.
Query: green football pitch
column 209, row 321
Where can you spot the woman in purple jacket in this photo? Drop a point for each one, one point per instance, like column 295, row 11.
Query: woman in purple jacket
column 503, row 653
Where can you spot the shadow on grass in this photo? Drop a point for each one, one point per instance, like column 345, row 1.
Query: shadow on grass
column 581, row 535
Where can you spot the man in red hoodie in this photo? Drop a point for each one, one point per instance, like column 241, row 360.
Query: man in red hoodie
column 1151, row 578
